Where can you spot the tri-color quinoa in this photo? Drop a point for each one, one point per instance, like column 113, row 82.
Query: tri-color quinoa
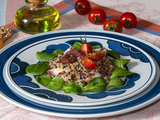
column 76, row 72
column 5, row 32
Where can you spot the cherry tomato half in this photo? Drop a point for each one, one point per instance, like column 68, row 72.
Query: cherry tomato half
column 112, row 24
column 86, row 48
column 97, row 16
column 128, row 20
column 82, row 7
column 86, row 62
column 95, row 56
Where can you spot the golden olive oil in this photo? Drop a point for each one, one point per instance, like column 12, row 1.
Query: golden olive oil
column 36, row 19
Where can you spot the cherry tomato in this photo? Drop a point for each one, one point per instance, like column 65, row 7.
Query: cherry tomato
column 128, row 20
column 86, row 62
column 95, row 56
column 86, row 48
column 112, row 24
column 82, row 7
column 97, row 16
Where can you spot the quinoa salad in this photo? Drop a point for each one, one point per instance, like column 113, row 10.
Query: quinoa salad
column 82, row 67
column 76, row 72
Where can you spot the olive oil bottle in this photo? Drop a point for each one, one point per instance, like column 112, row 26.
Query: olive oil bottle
column 36, row 17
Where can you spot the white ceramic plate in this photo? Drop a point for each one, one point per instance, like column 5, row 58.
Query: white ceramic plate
column 23, row 52
column 25, row 85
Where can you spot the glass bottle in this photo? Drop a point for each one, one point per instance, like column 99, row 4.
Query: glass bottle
column 36, row 17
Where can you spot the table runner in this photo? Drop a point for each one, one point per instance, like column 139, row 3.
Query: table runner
column 147, row 29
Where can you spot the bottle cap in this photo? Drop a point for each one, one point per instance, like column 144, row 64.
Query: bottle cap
column 36, row 3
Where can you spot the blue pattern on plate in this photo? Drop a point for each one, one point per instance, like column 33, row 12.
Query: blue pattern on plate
column 26, row 83
column 48, row 94
column 15, row 68
column 127, row 50
column 18, row 67
column 18, row 71
column 51, row 48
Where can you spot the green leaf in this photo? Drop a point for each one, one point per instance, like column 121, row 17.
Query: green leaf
column 44, row 57
column 96, row 85
column 57, row 52
column 73, row 88
column 120, row 72
column 114, row 54
column 120, row 62
column 37, row 69
column 96, row 46
column 115, row 82
column 56, row 83
column 77, row 45
column 44, row 80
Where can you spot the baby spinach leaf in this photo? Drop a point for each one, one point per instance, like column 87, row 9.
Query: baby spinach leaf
column 115, row 82
column 114, row 54
column 120, row 62
column 97, row 84
column 77, row 45
column 73, row 88
column 120, row 72
column 56, row 83
column 57, row 52
column 44, row 57
column 37, row 69
column 44, row 80
column 96, row 46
